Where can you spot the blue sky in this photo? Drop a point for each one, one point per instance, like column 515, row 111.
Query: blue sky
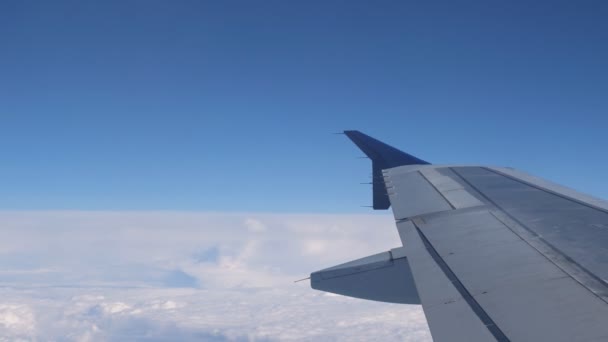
column 230, row 105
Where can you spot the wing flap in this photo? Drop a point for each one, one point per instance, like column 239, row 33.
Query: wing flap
column 449, row 316
column 524, row 293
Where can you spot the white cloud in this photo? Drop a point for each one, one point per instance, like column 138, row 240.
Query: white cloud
column 17, row 318
column 255, row 226
column 91, row 276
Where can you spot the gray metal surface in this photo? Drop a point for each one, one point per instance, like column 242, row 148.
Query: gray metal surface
column 550, row 186
column 446, row 182
column 412, row 195
column 574, row 228
column 529, row 261
column 527, row 296
column 382, row 277
column 449, row 316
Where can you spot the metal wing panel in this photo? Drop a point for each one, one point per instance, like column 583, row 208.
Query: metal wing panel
column 527, row 296
column 382, row 277
column 446, row 182
column 514, row 282
column 550, row 186
column 449, row 316
column 573, row 228
column 412, row 195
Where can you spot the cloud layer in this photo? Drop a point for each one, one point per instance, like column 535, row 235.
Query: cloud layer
column 190, row 276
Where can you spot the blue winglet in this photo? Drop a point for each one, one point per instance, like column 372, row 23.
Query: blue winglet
column 383, row 156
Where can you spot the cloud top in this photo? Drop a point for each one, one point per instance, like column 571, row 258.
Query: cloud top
column 92, row 276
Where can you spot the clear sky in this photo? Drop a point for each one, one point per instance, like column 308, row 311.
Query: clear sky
column 230, row 105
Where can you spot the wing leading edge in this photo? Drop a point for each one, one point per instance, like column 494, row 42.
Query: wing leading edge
column 490, row 253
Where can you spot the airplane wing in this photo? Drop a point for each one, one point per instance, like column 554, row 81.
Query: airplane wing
column 491, row 253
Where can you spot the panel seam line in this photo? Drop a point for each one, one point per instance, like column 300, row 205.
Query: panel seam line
column 483, row 316
column 439, row 192
column 557, row 250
